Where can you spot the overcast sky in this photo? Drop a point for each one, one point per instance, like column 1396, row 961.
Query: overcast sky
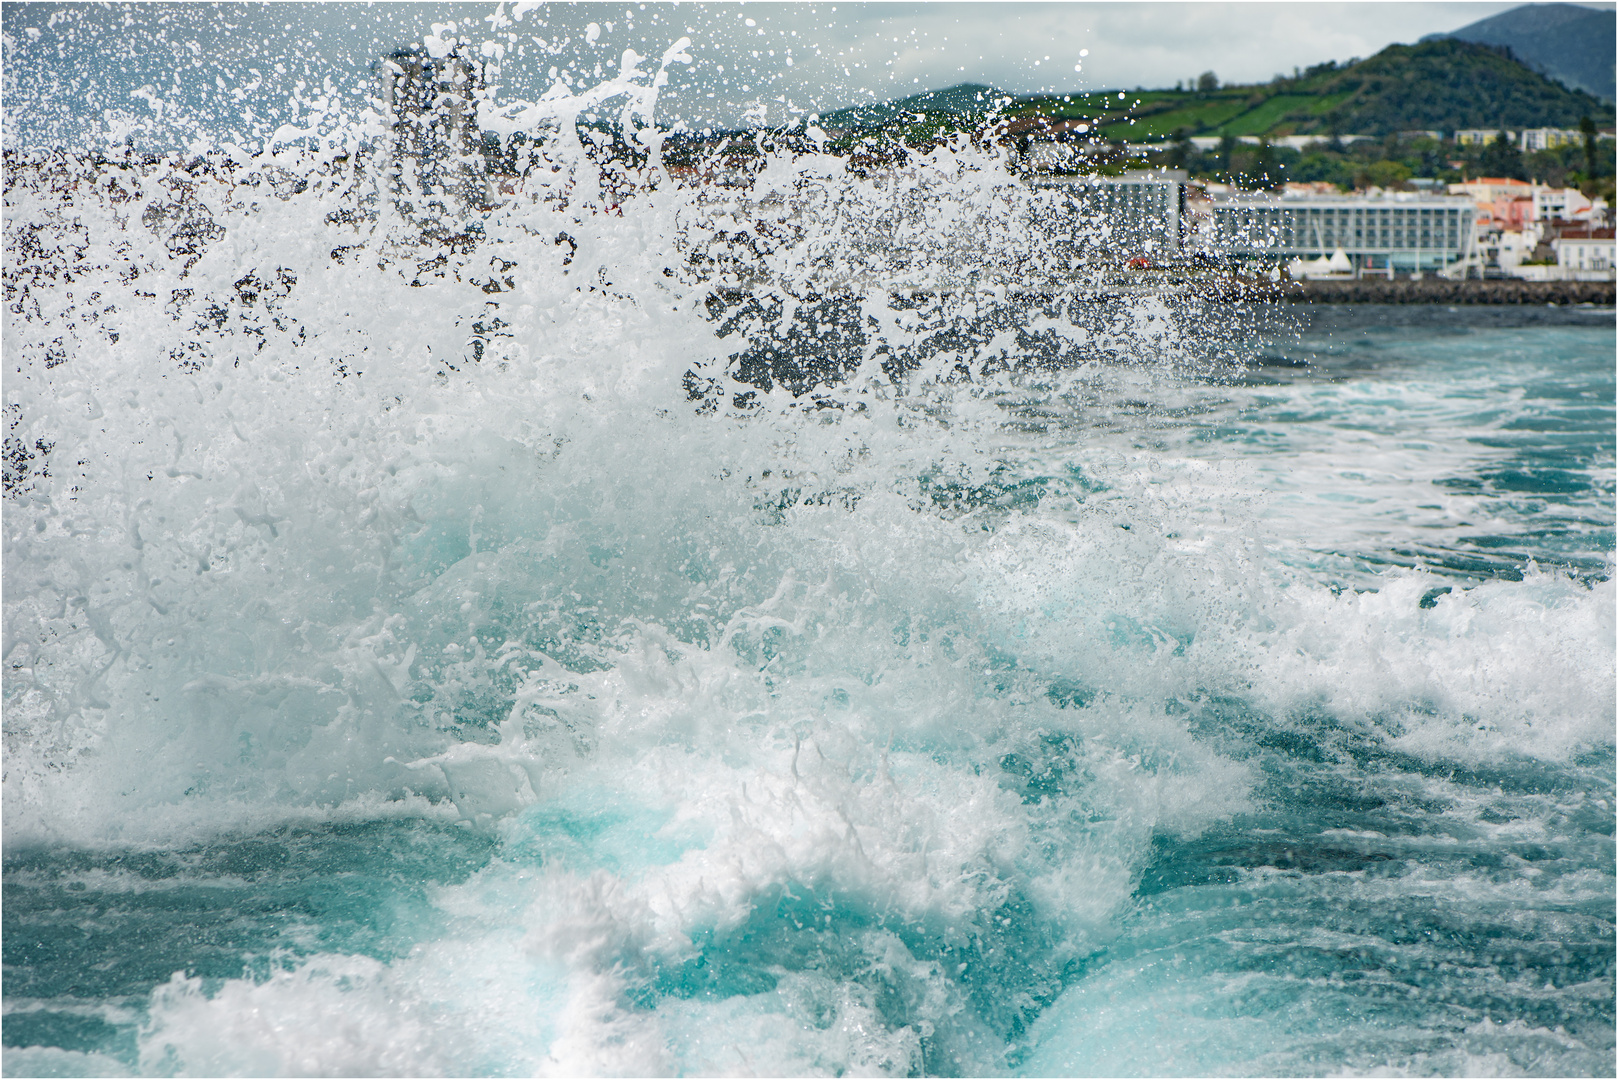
column 67, row 65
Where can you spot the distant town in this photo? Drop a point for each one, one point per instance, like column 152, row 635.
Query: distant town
column 1186, row 200
column 1447, row 158
column 1531, row 202
column 1478, row 228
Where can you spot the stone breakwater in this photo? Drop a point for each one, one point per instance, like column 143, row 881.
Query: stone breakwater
column 1437, row 291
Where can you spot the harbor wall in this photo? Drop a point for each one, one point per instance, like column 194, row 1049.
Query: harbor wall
column 1439, row 291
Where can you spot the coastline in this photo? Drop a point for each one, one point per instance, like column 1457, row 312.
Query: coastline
column 1439, row 291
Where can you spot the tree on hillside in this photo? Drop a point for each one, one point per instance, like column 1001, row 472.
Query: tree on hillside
column 1502, row 158
column 1383, row 174
column 1207, row 82
column 1269, row 174
column 1180, row 150
column 1587, row 127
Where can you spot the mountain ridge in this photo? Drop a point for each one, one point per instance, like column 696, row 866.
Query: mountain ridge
column 962, row 99
column 1444, row 84
column 1567, row 42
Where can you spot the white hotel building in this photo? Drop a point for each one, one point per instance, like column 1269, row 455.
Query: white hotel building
column 1396, row 233
column 1144, row 208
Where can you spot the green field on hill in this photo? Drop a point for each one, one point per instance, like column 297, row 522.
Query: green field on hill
column 1396, row 96
column 1442, row 85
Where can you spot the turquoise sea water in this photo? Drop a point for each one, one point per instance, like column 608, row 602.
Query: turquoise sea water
column 1133, row 722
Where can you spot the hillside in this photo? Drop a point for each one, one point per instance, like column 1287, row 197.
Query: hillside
column 1448, row 84
column 967, row 99
column 1441, row 85
column 1573, row 45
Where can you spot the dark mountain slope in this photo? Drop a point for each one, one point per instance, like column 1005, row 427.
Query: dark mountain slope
column 1441, row 85
column 1571, row 44
column 1436, row 85
column 957, row 101
column 1446, row 84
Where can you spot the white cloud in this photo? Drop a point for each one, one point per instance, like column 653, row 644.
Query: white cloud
column 1131, row 44
column 843, row 53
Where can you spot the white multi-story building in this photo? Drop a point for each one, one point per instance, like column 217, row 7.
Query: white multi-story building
column 434, row 139
column 1387, row 234
column 1508, row 249
column 1206, row 143
column 1142, row 209
column 1591, row 252
column 1487, row 189
column 1569, row 204
column 1472, row 136
column 1547, row 139
column 1392, row 233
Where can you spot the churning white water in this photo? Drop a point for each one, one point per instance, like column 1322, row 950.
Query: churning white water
column 798, row 620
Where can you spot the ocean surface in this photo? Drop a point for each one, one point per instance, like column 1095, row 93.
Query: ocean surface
column 1253, row 724
column 801, row 627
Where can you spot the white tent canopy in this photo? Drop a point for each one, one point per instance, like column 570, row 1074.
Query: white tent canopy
column 1338, row 264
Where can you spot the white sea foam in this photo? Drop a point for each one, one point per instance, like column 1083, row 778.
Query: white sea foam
column 334, row 532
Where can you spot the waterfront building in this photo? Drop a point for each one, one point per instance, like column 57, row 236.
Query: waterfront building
column 437, row 170
column 1586, row 251
column 1502, row 251
column 1143, row 210
column 431, row 101
column 1401, row 232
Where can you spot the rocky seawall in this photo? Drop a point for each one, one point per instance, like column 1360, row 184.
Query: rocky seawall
column 1438, row 291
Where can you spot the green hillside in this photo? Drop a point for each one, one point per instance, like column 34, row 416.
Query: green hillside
column 966, row 100
column 1441, row 85
column 1397, row 96
column 1570, row 43
column 1450, row 84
